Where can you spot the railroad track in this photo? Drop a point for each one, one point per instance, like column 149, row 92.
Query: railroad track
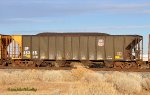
column 70, row 68
column 121, row 70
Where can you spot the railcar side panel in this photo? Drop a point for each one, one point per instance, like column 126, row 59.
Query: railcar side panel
column 100, row 44
column 26, row 45
column 92, row 48
column 60, row 48
column 83, row 47
column 78, row 47
column 35, row 47
column 75, row 48
column 68, row 48
column 109, row 47
column 52, row 47
column 119, row 47
column 149, row 49
column 0, row 46
column 44, row 47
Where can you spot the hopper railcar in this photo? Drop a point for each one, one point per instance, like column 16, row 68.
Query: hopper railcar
column 91, row 49
column 149, row 50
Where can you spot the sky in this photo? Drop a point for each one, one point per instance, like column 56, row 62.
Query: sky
column 106, row 16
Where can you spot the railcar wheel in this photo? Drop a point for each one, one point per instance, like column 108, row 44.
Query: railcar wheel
column 119, row 65
column 51, row 65
column 134, row 65
column 142, row 65
column 30, row 64
column 128, row 65
column 46, row 64
column 19, row 64
column 109, row 64
column 4, row 64
column 37, row 63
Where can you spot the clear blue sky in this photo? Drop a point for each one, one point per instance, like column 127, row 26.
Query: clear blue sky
column 108, row 16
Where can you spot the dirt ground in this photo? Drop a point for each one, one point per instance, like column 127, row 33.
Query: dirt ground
column 78, row 81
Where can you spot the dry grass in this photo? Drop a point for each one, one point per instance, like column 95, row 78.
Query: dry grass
column 79, row 81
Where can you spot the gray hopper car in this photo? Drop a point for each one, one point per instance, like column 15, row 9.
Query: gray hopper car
column 84, row 46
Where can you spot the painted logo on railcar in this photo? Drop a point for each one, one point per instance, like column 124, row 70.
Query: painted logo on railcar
column 35, row 54
column 101, row 42
column 118, row 55
column 26, row 52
